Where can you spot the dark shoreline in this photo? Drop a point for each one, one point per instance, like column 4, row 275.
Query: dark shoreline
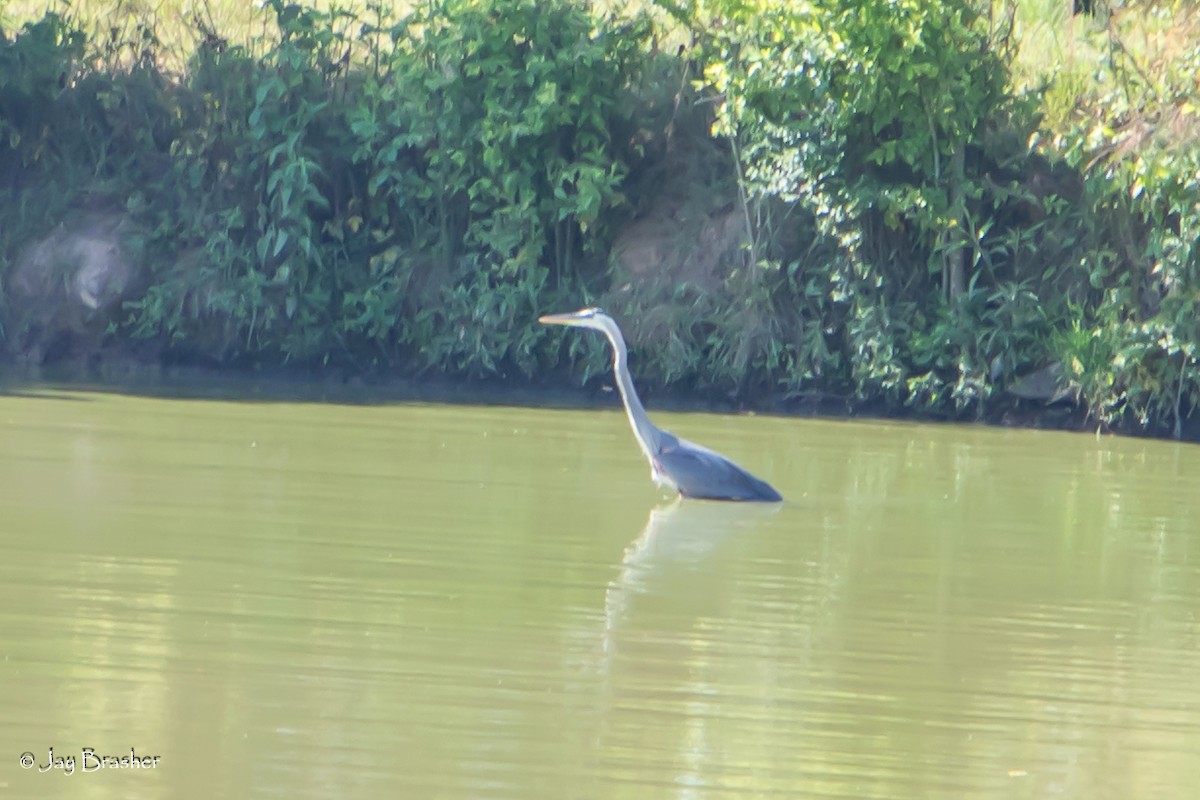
column 341, row 386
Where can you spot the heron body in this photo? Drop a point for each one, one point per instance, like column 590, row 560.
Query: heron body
column 675, row 463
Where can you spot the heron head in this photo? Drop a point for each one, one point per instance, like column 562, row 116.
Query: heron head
column 583, row 318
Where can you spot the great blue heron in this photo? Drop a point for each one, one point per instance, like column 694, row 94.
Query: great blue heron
column 678, row 464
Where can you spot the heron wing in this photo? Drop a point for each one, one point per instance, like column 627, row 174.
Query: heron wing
column 702, row 473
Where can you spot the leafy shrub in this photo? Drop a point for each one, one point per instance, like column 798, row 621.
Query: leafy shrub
column 37, row 68
column 1134, row 140
column 367, row 192
column 888, row 126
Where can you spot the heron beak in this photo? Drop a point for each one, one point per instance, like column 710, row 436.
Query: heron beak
column 559, row 319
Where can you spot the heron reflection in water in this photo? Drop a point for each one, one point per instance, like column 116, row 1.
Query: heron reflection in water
column 675, row 463
column 677, row 556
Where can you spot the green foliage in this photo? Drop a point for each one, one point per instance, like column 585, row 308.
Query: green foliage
column 1087, row 355
column 36, row 67
column 475, row 328
column 484, row 144
column 514, row 106
column 891, row 128
column 1131, row 342
column 354, row 188
column 855, row 109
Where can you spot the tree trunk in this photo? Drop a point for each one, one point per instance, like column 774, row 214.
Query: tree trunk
column 956, row 256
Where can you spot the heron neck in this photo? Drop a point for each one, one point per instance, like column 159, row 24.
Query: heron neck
column 643, row 429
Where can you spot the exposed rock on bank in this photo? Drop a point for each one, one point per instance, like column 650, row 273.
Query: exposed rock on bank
column 64, row 289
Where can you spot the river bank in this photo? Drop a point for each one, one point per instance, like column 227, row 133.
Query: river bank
column 116, row 373
column 959, row 231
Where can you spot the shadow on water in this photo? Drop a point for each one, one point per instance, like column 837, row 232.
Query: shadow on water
column 26, row 394
column 329, row 387
column 198, row 383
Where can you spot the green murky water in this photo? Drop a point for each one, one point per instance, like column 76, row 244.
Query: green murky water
column 307, row 600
